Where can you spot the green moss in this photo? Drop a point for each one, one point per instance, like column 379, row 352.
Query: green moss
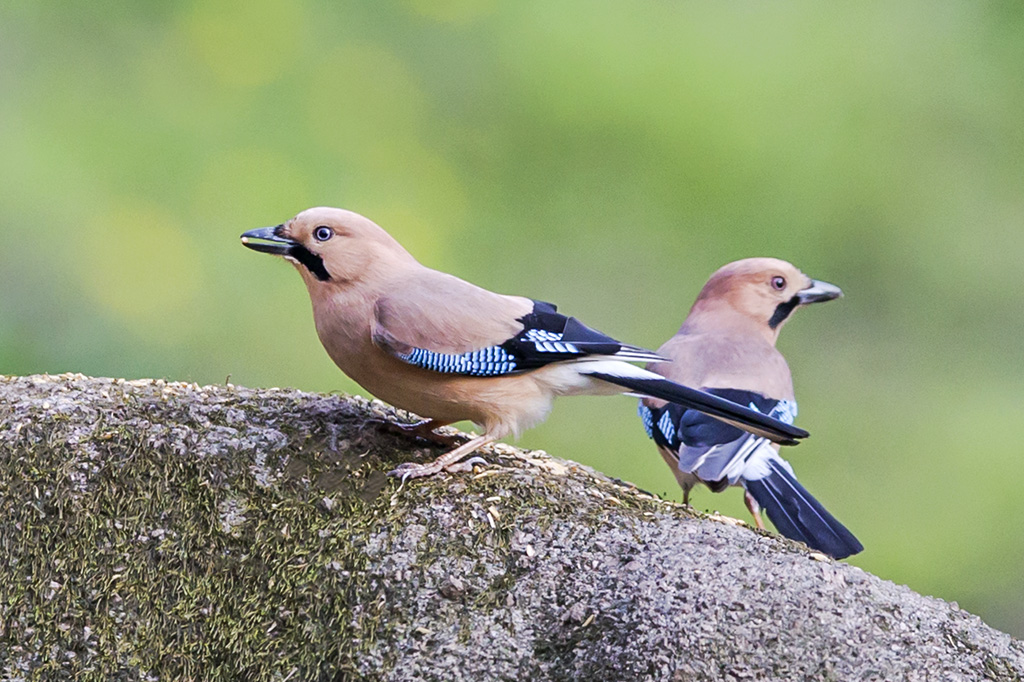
column 226, row 536
column 138, row 574
column 995, row 668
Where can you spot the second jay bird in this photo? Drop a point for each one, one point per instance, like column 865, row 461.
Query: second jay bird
column 435, row 345
column 726, row 346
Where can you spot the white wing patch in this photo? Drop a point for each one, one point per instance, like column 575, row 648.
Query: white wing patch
column 746, row 457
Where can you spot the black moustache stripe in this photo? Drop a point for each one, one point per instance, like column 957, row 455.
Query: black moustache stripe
column 782, row 311
column 310, row 261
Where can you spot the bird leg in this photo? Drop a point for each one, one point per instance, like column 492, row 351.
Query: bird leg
column 423, row 430
column 448, row 461
column 754, row 508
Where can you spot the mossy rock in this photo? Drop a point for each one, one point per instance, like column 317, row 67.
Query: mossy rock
column 153, row 530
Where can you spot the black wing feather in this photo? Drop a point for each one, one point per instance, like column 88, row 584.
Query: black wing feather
column 547, row 337
column 690, row 416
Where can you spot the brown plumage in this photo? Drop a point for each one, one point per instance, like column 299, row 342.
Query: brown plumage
column 727, row 345
column 433, row 344
column 381, row 302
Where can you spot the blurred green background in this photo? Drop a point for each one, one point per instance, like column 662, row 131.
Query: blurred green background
column 605, row 156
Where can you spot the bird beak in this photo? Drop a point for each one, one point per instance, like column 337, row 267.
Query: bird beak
column 269, row 241
column 818, row 291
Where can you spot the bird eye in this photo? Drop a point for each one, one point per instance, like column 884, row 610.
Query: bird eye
column 779, row 283
column 323, row 233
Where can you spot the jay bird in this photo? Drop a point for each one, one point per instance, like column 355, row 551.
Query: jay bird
column 435, row 345
column 726, row 346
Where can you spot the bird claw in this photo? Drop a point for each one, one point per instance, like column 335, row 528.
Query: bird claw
column 467, row 466
column 413, row 470
column 409, row 470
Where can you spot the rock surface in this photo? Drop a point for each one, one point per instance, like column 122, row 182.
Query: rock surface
column 153, row 530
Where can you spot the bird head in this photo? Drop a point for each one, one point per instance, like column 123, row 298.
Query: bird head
column 330, row 247
column 762, row 291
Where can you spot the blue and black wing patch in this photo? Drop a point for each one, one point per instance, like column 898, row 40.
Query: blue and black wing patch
column 794, row 511
column 547, row 337
column 486, row 362
column 660, row 424
column 673, row 426
column 705, row 446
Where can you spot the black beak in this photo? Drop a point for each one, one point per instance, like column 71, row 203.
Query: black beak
column 269, row 241
column 818, row 291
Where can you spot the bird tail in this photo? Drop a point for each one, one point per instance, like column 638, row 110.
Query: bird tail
column 797, row 515
column 645, row 383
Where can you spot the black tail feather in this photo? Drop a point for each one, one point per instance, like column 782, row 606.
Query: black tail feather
column 719, row 408
column 798, row 516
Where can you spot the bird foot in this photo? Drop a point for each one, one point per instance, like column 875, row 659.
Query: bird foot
column 423, row 430
column 413, row 470
column 467, row 466
column 409, row 470
column 446, row 462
